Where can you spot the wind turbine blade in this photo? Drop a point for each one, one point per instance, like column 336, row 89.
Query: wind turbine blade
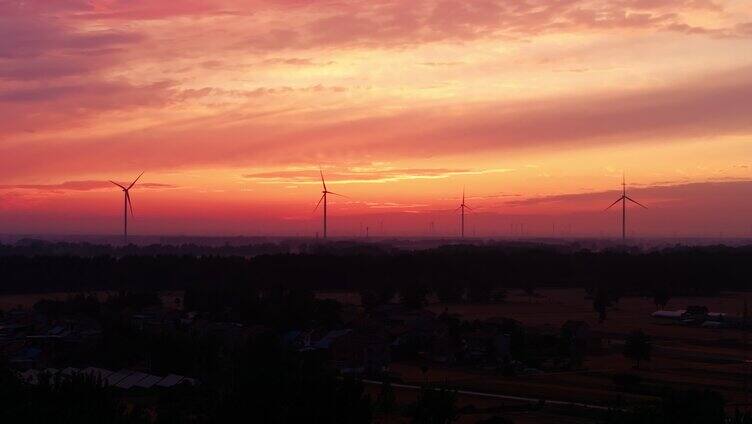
column 458, row 208
column 612, row 204
column 134, row 181
column 340, row 195
column 128, row 199
column 463, row 195
column 635, row 202
column 317, row 204
column 322, row 178
column 468, row 207
column 113, row 182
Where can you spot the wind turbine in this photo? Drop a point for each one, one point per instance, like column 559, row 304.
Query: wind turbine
column 623, row 199
column 324, row 192
column 126, row 205
column 462, row 208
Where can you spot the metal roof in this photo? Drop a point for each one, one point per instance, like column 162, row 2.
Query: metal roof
column 170, row 380
column 148, row 381
column 115, row 378
column 97, row 372
column 131, row 380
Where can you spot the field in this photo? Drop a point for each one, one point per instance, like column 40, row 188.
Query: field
column 682, row 356
column 27, row 301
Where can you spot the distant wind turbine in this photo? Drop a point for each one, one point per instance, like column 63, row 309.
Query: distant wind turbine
column 127, row 205
column 324, row 192
column 462, row 208
column 623, row 199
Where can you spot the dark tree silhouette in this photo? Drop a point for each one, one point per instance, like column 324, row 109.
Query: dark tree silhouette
column 676, row 406
column 450, row 293
column 637, row 347
column 529, row 289
column 496, row 420
column 78, row 399
column 386, row 401
column 661, row 297
column 435, row 406
column 601, row 302
column 53, row 267
column 413, row 295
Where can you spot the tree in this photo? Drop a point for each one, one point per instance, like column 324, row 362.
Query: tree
column 450, row 292
column 496, row 420
column 480, row 292
column 435, row 406
column 661, row 297
column 386, row 400
column 76, row 399
column 637, row 347
column 693, row 407
column 740, row 418
column 413, row 295
column 678, row 406
column 529, row 290
column 499, row 295
column 601, row 302
column 369, row 299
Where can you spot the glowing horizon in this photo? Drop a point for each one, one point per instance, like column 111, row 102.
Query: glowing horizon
column 231, row 107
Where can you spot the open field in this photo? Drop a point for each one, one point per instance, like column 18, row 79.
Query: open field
column 682, row 356
column 27, row 301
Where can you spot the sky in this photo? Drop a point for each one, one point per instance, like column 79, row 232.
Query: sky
column 535, row 108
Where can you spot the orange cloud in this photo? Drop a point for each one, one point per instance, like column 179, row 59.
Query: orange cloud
column 229, row 98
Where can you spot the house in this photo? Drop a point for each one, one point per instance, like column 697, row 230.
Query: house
column 124, row 379
column 410, row 330
column 580, row 335
column 487, row 344
column 355, row 351
column 446, row 346
column 693, row 315
column 669, row 315
column 27, row 357
column 359, row 352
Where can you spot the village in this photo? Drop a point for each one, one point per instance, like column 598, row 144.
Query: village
column 57, row 339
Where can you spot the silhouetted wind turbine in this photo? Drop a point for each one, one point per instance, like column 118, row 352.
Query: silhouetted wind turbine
column 323, row 197
column 126, row 205
column 462, row 208
column 623, row 199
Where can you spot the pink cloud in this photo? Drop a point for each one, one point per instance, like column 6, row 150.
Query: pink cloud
column 716, row 105
column 85, row 185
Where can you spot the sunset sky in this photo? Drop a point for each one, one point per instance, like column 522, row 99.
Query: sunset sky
column 535, row 107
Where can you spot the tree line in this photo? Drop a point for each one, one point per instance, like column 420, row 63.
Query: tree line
column 450, row 271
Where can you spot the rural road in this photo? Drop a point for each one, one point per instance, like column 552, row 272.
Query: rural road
column 498, row 396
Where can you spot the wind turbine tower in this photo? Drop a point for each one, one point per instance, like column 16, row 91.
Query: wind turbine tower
column 324, row 192
column 462, row 208
column 127, row 205
column 623, row 199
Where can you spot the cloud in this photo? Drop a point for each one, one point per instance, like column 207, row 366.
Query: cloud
column 32, row 35
column 63, row 106
column 394, row 205
column 295, row 61
column 653, row 195
column 84, row 185
column 362, row 175
column 440, row 64
column 393, row 23
column 70, row 63
column 712, row 106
